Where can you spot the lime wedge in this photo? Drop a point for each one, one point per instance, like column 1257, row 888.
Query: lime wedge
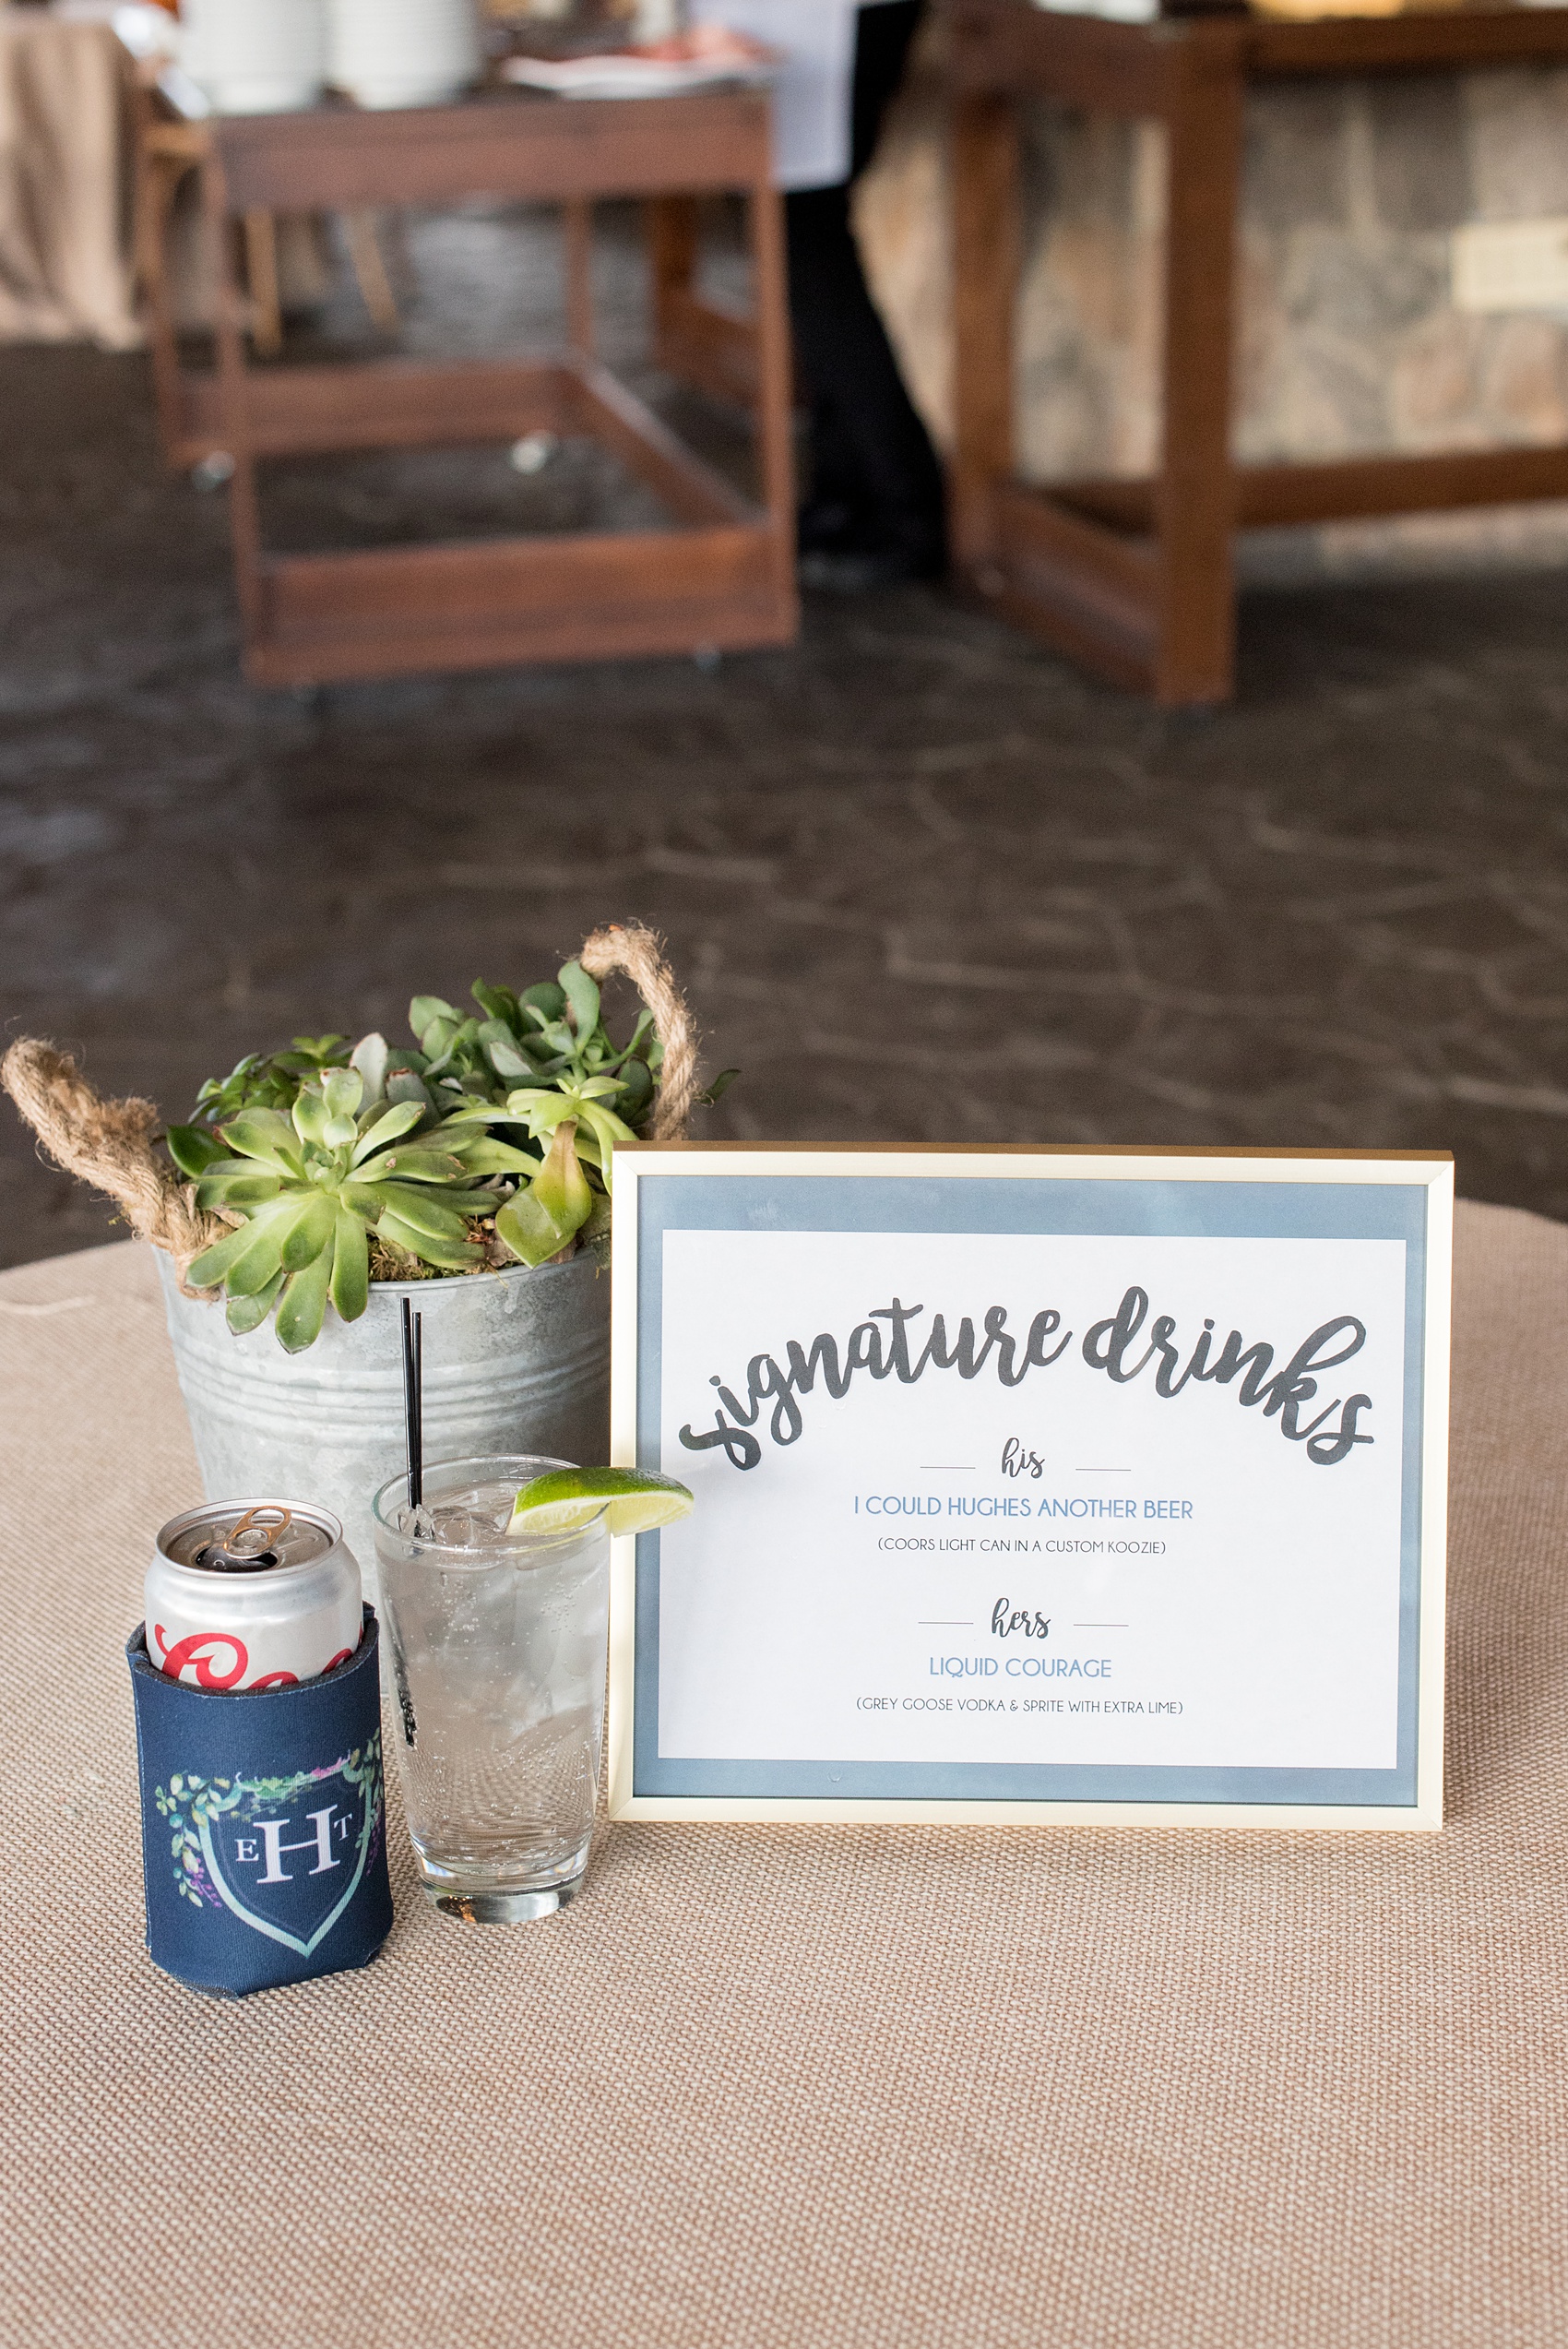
column 570, row 1498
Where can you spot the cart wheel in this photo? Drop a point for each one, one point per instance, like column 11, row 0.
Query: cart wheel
column 213, row 471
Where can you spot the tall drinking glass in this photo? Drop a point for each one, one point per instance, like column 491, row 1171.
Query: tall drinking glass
column 498, row 1653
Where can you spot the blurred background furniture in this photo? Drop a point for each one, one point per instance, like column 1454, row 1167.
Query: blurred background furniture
column 170, row 149
column 65, row 193
column 1134, row 577
column 723, row 576
column 85, row 206
column 697, row 337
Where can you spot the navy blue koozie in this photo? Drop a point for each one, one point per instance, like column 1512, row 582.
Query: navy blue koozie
column 264, row 1826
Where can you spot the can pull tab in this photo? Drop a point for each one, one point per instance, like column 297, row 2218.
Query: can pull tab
column 250, row 1545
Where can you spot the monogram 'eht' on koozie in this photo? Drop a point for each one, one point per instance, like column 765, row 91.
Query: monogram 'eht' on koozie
column 263, row 1839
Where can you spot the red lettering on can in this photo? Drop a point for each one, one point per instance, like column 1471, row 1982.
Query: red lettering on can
column 184, row 1653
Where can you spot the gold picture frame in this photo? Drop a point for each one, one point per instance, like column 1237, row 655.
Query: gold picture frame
column 1273, row 1228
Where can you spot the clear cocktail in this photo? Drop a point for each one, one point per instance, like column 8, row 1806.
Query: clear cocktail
column 498, row 1653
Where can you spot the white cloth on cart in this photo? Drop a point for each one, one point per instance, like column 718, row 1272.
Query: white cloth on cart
column 811, row 95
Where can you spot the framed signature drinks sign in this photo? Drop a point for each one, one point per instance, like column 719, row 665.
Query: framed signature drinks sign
column 1088, row 1485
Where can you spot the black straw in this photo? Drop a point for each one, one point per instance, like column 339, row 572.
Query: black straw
column 419, row 1409
column 414, row 1400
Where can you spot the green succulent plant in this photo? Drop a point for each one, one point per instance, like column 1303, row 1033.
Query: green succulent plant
column 554, row 1039
column 267, row 1080
column 328, row 1153
column 548, row 1035
column 311, row 1186
column 576, row 1121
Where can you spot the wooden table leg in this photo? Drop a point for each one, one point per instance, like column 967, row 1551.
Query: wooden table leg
column 261, row 271
column 699, row 338
column 985, row 278
column 244, row 519
column 157, row 183
column 1195, row 503
column 166, row 152
column 673, row 260
column 370, row 271
column 773, row 383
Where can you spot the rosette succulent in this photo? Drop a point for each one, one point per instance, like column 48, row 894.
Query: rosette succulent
column 311, row 1188
column 489, row 1140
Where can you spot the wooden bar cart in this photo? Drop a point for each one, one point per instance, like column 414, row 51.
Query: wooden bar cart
column 721, row 577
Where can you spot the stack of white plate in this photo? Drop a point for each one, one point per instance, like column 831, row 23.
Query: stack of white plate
column 256, row 56
column 403, row 52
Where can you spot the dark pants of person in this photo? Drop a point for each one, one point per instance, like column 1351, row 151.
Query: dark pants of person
column 877, row 484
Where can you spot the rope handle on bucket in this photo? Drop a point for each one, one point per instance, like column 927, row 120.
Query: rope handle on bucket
column 639, row 953
column 112, row 1144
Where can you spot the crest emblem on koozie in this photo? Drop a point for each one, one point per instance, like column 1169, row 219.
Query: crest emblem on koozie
column 285, row 1855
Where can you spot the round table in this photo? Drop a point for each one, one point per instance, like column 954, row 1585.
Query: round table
column 801, row 2085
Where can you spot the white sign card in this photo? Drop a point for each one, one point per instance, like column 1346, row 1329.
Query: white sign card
column 1087, row 1485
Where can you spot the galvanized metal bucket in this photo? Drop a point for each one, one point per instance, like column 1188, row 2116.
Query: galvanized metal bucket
column 513, row 1362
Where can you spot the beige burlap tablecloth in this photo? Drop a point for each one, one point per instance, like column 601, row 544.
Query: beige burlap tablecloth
column 800, row 2086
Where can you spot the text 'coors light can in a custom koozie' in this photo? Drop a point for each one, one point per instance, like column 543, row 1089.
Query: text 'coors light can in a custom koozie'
column 257, row 1679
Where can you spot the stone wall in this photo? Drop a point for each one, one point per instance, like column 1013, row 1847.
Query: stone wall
column 1347, row 339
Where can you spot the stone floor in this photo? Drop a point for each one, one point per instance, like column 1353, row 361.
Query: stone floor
column 923, row 880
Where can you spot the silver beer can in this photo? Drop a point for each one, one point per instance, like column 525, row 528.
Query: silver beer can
column 252, row 1594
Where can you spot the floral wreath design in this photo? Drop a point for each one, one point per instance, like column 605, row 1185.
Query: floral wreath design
column 189, row 1802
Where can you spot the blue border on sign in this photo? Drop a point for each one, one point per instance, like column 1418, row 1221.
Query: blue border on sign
column 1054, row 1205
